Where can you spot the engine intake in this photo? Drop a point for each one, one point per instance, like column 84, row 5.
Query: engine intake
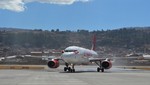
column 106, row 64
column 53, row 63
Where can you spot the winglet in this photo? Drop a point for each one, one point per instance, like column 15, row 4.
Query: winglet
column 94, row 43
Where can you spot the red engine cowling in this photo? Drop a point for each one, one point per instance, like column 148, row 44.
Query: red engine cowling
column 53, row 63
column 106, row 64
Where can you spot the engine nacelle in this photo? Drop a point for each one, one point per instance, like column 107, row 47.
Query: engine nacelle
column 53, row 63
column 106, row 64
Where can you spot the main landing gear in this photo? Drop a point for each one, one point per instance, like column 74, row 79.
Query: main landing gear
column 69, row 69
column 100, row 66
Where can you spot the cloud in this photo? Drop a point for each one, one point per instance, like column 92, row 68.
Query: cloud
column 57, row 1
column 14, row 5
column 19, row 5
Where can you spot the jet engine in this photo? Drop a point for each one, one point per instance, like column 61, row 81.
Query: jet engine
column 54, row 63
column 106, row 64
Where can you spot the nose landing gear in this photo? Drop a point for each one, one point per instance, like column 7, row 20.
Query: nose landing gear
column 69, row 69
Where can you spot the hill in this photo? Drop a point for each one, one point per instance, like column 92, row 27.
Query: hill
column 135, row 39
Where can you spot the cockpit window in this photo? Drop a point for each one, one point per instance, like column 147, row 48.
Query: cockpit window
column 70, row 50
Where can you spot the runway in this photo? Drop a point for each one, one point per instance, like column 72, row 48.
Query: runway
column 85, row 75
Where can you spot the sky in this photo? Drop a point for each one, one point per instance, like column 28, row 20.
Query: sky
column 74, row 14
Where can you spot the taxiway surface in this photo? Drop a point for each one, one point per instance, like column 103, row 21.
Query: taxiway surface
column 85, row 75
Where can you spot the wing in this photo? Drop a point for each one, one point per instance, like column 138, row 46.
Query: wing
column 99, row 59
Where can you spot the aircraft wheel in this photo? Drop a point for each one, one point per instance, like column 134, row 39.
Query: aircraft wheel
column 65, row 69
column 102, row 70
column 69, row 69
column 98, row 69
column 73, row 70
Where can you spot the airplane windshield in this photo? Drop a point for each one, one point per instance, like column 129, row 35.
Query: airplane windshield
column 70, row 50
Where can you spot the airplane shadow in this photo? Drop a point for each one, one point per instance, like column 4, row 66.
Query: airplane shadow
column 78, row 71
column 85, row 72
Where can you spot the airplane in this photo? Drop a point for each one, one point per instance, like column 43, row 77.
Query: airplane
column 75, row 55
column 144, row 57
column 2, row 58
column 139, row 56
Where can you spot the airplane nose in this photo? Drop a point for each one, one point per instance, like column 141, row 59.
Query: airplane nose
column 67, row 55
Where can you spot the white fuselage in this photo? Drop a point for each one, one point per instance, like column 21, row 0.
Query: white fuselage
column 78, row 55
column 147, row 57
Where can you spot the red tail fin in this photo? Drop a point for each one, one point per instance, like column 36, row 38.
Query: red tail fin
column 94, row 43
